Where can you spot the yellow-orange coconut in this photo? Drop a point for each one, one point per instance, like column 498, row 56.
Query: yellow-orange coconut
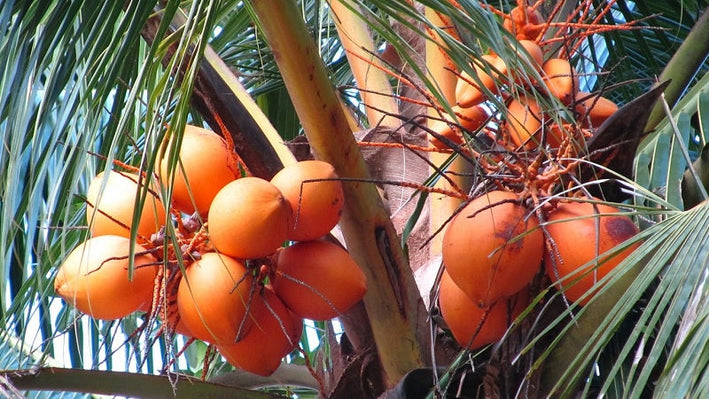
column 524, row 118
column 212, row 298
column 579, row 232
column 594, row 110
column 318, row 280
column 315, row 196
column 249, row 218
column 276, row 332
column 468, row 91
column 472, row 326
column 561, row 79
column 469, row 119
column 535, row 56
column 206, row 164
column 492, row 248
column 116, row 204
column 95, row 279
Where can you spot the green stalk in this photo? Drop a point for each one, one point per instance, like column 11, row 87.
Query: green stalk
column 124, row 384
column 392, row 301
column 682, row 67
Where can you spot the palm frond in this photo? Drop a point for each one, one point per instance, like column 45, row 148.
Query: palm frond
column 239, row 42
column 658, row 169
column 92, row 94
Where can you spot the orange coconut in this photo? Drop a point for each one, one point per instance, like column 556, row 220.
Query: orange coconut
column 579, row 232
column 249, row 218
column 524, row 118
column 534, row 54
column 213, row 298
column 524, row 23
column 594, row 110
column 469, row 119
column 561, row 79
column 205, row 165
column 95, row 278
column 492, row 248
column 472, row 326
column 318, row 280
column 116, row 205
column 467, row 90
column 275, row 334
column 315, row 196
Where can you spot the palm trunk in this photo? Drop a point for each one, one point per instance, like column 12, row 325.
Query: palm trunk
column 392, row 300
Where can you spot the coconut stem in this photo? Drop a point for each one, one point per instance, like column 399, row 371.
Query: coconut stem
column 392, row 300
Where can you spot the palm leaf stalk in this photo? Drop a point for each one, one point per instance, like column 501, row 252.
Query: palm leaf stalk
column 443, row 72
column 392, row 300
column 126, row 384
column 683, row 67
column 375, row 90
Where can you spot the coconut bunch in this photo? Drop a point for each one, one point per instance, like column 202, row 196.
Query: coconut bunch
column 494, row 247
column 523, row 123
column 519, row 231
column 236, row 261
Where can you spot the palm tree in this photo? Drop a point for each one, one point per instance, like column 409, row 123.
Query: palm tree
column 86, row 85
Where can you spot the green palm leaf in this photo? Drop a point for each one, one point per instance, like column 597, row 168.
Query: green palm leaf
column 81, row 109
column 642, row 54
column 659, row 169
column 94, row 91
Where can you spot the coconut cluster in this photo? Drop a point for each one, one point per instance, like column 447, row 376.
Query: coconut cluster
column 520, row 229
column 236, row 261
column 494, row 247
column 522, row 121
column 491, row 250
